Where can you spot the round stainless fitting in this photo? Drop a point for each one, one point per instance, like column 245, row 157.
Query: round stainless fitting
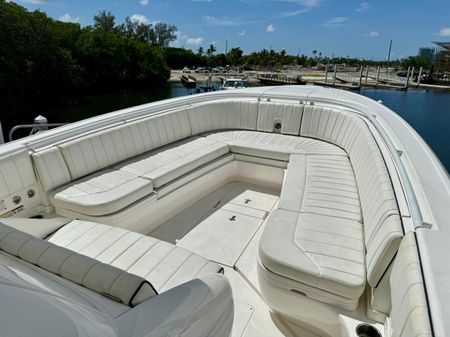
column 277, row 126
column 16, row 199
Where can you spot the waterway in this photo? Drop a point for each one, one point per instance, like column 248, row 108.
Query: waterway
column 427, row 111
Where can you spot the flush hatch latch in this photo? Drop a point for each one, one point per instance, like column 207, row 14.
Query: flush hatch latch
column 233, row 218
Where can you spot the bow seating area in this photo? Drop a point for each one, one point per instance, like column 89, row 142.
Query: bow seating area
column 335, row 231
column 337, row 214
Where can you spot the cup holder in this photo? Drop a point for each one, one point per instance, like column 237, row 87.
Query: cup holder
column 367, row 330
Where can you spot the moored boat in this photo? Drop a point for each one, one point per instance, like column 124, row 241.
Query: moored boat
column 188, row 81
column 234, row 83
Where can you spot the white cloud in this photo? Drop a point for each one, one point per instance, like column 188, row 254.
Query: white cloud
column 194, row 41
column 337, row 21
column 68, row 18
column 183, row 39
column 293, row 13
column 372, row 34
column 242, row 33
column 225, row 21
column 444, row 31
column 211, row 20
column 36, row 2
column 139, row 18
column 363, row 6
column 270, row 28
column 144, row 2
column 306, row 6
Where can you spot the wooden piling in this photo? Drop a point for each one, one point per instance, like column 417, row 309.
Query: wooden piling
column 420, row 76
column 360, row 76
column 407, row 78
column 334, row 75
column 378, row 76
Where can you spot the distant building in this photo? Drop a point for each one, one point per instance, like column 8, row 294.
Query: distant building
column 442, row 56
column 427, row 53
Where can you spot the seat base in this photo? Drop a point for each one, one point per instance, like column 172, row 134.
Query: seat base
column 297, row 288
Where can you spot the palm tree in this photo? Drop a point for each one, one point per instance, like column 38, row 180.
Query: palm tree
column 211, row 50
column 200, row 51
column 104, row 21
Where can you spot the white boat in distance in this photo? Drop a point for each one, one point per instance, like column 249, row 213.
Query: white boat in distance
column 269, row 211
column 234, row 83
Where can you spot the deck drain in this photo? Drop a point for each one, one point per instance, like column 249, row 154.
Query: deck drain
column 367, row 330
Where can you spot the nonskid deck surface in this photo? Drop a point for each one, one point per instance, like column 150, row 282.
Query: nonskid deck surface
column 225, row 227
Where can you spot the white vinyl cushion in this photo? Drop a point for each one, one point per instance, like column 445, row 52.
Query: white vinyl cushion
column 382, row 225
column 51, row 168
column 102, row 149
column 274, row 146
column 321, row 184
column 163, row 264
column 223, row 114
column 324, row 252
column 105, row 192
column 174, row 160
column 409, row 314
column 102, row 278
column 288, row 114
column 16, row 173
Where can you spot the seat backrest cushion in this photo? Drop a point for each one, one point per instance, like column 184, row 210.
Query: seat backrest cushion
column 107, row 280
column 108, row 147
column 289, row 114
column 409, row 314
column 155, row 131
column 382, row 225
column 16, row 173
column 222, row 115
column 51, row 168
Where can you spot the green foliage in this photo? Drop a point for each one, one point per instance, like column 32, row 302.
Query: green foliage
column 234, row 56
column 164, row 34
column 161, row 34
column 415, row 61
column 44, row 62
column 178, row 58
column 105, row 21
column 211, row 50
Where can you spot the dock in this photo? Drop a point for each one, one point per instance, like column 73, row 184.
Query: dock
column 346, row 78
column 279, row 78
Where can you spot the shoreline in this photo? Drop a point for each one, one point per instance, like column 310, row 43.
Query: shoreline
column 314, row 77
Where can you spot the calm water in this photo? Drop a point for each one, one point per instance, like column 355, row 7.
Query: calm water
column 426, row 111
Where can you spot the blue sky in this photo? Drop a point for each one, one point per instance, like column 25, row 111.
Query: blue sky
column 353, row 28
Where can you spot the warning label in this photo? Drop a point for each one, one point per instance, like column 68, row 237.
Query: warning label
column 12, row 212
